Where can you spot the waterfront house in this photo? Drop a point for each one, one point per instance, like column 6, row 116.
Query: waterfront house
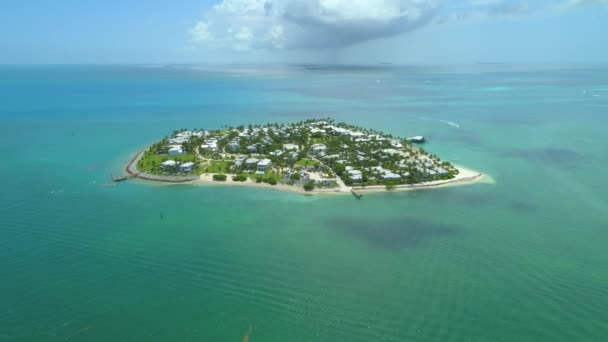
column 168, row 164
column 264, row 165
column 186, row 167
column 238, row 162
column 251, row 163
column 355, row 176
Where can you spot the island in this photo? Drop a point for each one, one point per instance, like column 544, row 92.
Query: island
column 311, row 156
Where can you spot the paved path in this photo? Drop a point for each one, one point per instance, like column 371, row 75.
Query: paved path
column 343, row 187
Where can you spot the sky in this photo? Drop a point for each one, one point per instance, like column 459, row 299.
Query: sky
column 447, row 32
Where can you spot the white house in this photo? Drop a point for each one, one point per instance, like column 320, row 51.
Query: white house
column 252, row 148
column 210, row 145
column 175, row 150
column 389, row 176
column 319, row 149
column 234, row 146
column 264, row 165
column 186, row 167
column 355, row 135
column 168, row 164
column 290, row 147
column 238, row 162
column 355, row 175
column 251, row 163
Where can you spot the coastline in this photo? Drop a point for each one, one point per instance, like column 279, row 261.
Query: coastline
column 465, row 176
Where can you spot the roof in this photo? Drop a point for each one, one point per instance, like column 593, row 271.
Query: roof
column 252, row 161
column 265, row 162
column 169, row 163
column 188, row 164
column 291, row 147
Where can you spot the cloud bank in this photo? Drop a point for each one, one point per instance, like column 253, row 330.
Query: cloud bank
column 244, row 25
column 293, row 24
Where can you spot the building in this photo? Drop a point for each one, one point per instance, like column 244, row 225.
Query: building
column 389, row 176
column 277, row 153
column 234, row 146
column 168, row 164
column 186, row 167
column 264, row 165
column 355, row 135
column 251, row 163
column 355, row 176
column 252, row 149
column 319, row 149
column 210, row 145
column 238, row 162
column 290, row 147
column 175, row 150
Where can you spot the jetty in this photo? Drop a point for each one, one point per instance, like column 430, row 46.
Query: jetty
column 124, row 177
column 356, row 194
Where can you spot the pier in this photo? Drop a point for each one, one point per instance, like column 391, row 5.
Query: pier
column 356, row 194
column 124, row 177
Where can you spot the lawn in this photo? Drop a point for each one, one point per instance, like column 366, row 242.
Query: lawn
column 215, row 166
column 306, row 162
column 151, row 161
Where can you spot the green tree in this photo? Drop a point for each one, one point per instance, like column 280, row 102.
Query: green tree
column 309, row 186
column 340, row 168
column 219, row 177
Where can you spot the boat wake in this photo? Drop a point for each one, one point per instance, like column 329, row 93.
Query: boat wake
column 450, row 123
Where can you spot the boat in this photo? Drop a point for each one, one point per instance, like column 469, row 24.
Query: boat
column 417, row 139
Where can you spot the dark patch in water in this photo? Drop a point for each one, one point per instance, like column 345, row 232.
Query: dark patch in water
column 454, row 196
column 392, row 234
column 551, row 155
column 510, row 120
column 464, row 136
column 523, row 207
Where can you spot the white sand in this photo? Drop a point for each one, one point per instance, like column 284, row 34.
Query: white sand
column 465, row 177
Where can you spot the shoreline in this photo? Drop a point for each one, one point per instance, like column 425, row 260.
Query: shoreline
column 465, row 177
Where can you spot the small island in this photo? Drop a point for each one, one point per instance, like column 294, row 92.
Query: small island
column 313, row 156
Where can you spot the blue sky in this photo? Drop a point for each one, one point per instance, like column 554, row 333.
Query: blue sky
column 291, row 31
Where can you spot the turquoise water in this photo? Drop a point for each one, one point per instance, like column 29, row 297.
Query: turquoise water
column 523, row 259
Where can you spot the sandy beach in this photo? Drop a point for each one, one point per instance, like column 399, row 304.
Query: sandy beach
column 465, row 177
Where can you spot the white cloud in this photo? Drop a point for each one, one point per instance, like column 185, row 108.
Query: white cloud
column 575, row 3
column 200, row 32
column 278, row 24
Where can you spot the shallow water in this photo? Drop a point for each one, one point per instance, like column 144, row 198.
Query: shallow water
column 521, row 259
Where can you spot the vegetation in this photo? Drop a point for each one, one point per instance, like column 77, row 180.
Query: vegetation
column 219, row 166
column 239, row 178
column 219, row 177
column 309, row 186
column 321, row 148
column 270, row 180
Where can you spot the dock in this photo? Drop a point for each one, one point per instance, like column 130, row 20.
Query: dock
column 124, row 177
column 356, row 194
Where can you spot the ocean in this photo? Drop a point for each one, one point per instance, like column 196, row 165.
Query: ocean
column 522, row 258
